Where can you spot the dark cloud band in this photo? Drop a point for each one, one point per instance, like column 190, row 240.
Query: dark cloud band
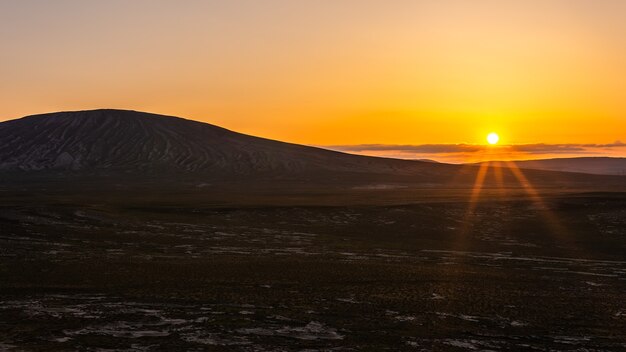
column 537, row 148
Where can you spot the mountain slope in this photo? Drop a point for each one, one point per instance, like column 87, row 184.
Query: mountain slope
column 590, row 165
column 114, row 149
column 128, row 141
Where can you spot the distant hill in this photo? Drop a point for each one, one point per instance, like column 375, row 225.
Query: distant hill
column 589, row 165
column 114, row 147
column 121, row 141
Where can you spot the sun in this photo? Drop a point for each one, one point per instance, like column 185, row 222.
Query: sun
column 493, row 138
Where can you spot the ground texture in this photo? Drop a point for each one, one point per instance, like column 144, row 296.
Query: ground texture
column 510, row 273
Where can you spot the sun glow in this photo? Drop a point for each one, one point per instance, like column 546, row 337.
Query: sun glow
column 493, row 138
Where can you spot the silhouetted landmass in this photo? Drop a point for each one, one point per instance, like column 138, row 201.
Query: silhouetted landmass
column 113, row 141
column 590, row 165
column 119, row 148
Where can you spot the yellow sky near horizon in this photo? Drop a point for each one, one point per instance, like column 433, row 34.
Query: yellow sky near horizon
column 330, row 72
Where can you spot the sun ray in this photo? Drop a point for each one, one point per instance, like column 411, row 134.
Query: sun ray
column 467, row 223
column 526, row 185
column 478, row 185
column 555, row 225
column 460, row 244
column 497, row 170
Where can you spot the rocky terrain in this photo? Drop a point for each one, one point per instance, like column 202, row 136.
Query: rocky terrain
column 127, row 231
column 412, row 277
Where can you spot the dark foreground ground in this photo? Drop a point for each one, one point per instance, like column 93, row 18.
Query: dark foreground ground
column 512, row 273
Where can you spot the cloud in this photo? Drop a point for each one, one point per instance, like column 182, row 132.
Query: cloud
column 466, row 152
column 539, row 148
column 408, row 148
column 542, row 148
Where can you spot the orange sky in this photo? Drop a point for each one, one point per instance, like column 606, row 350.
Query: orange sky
column 330, row 72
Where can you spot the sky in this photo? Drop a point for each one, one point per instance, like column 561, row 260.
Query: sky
column 391, row 78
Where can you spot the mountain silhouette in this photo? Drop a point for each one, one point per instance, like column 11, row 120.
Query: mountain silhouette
column 120, row 145
column 113, row 141
column 590, row 165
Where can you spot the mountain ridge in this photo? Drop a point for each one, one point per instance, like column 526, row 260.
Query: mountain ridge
column 117, row 139
column 598, row 165
column 109, row 148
